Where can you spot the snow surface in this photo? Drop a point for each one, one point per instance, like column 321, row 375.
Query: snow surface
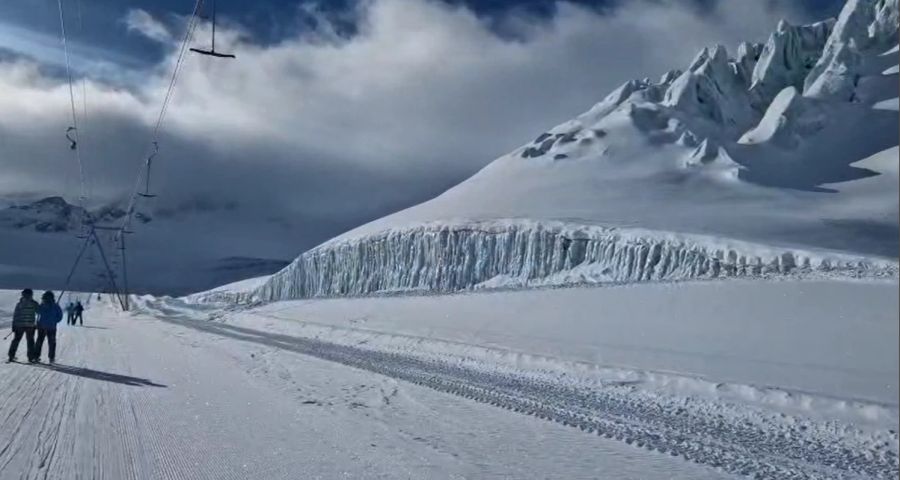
column 741, row 216
column 787, row 356
column 234, row 291
column 135, row 397
column 763, row 149
column 832, row 338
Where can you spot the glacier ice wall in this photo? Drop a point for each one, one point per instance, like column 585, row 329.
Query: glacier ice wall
column 445, row 258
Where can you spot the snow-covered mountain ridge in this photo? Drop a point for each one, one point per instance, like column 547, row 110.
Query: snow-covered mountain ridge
column 54, row 214
column 39, row 240
column 779, row 160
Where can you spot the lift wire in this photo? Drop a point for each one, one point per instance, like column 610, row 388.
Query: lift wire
column 72, row 134
column 84, row 102
column 192, row 25
column 74, row 127
column 143, row 177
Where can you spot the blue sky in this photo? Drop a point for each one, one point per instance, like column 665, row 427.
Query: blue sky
column 31, row 27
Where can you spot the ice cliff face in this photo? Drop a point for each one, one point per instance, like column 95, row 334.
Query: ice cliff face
column 730, row 147
column 448, row 258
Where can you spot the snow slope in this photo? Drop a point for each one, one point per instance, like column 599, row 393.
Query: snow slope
column 831, row 338
column 763, row 152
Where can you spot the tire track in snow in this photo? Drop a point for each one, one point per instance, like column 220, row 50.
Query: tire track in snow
column 724, row 436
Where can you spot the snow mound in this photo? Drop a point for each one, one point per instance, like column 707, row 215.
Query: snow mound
column 235, row 292
column 447, row 258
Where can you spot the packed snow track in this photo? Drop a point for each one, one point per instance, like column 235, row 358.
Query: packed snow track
column 186, row 391
column 729, row 437
column 137, row 398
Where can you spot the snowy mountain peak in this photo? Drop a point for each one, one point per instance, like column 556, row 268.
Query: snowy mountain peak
column 862, row 26
column 787, row 58
column 711, row 90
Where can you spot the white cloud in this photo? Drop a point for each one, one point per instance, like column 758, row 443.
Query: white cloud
column 328, row 129
column 142, row 22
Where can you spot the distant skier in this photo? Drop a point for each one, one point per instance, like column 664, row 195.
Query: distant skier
column 79, row 313
column 49, row 315
column 70, row 313
column 23, row 324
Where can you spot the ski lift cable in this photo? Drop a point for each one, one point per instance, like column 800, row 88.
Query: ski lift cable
column 192, row 25
column 144, row 171
column 84, row 103
column 73, row 129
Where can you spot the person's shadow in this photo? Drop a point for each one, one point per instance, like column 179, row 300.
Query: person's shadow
column 103, row 376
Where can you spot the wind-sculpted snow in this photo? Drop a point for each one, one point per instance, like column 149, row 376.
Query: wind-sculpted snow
column 508, row 254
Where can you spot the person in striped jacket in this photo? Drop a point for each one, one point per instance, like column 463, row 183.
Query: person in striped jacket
column 24, row 324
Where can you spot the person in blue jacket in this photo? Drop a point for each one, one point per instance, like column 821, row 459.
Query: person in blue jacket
column 49, row 315
column 70, row 313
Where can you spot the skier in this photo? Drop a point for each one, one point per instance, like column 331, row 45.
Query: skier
column 70, row 313
column 23, row 324
column 49, row 315
column 79, row 310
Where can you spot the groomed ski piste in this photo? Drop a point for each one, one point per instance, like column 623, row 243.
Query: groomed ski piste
column 756, row 380
column 697, row 278
column 723, row 379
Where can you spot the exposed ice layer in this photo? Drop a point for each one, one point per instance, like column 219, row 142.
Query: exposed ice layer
column 862, row 24
column 448, row 258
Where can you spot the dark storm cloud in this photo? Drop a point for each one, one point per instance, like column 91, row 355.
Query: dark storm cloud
column 329, row 130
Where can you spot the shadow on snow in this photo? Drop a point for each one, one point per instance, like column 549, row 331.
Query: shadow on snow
column 102, row 376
